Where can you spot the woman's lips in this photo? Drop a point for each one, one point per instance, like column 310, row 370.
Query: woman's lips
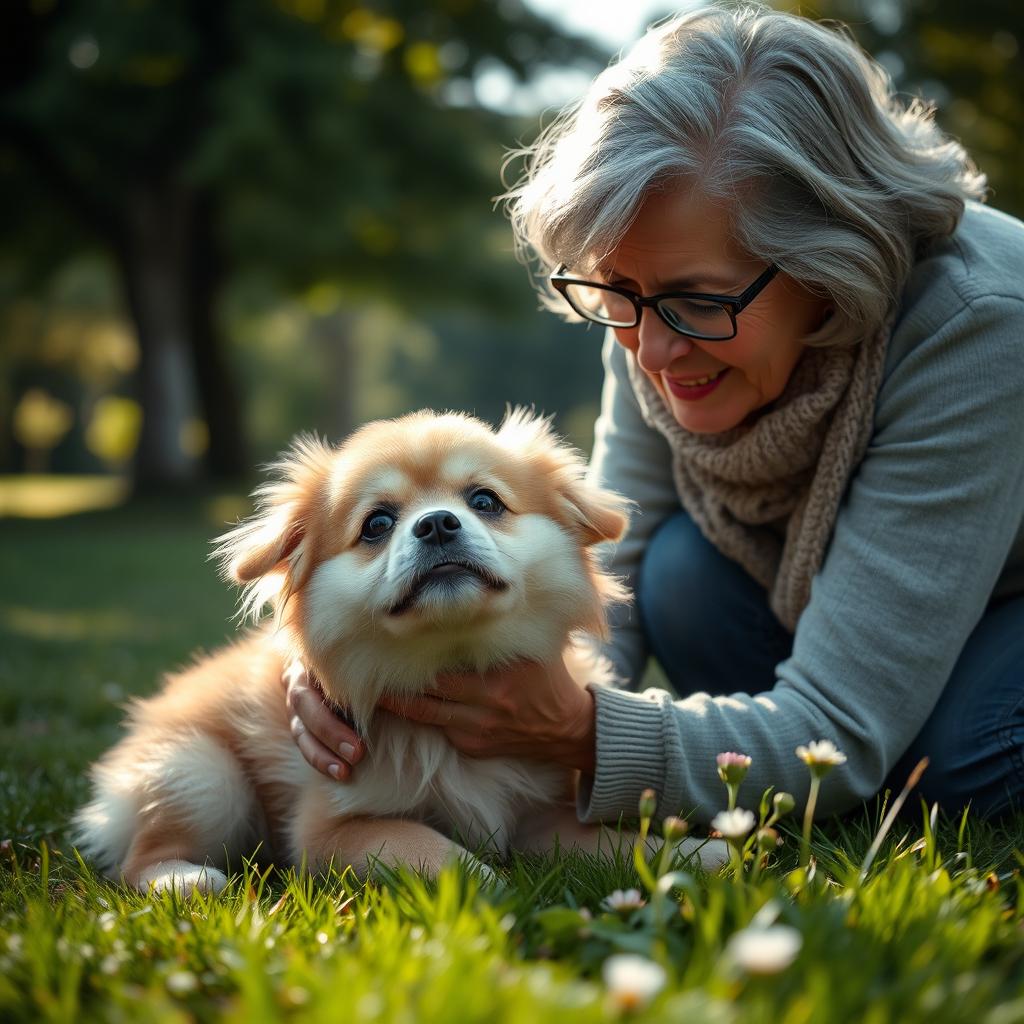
column 691, row 392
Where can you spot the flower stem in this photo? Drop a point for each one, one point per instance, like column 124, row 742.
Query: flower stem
column 805, row 843
column 736, row 858
column 663, row 859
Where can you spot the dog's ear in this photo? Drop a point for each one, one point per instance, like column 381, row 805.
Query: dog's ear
column 274, row 539
column 599, row 515
column 258, row 547
column 596, row 514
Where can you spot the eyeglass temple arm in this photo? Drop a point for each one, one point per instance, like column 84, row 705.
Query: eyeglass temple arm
column 756, row 286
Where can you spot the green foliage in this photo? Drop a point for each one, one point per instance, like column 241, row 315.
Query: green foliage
column 915, row 943
column 967, row 59
column 323, row 131
column 93, row 613
column 288, row 361
column 290, row 146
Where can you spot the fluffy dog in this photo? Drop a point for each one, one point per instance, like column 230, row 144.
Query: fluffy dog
column 425, row 544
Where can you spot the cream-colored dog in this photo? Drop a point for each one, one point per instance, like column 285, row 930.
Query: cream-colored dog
column 425, row 544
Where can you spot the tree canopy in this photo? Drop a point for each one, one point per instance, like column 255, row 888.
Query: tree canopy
column 301, row 140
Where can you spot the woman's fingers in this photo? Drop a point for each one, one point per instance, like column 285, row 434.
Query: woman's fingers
column 323, row 760
column 446, row 714
column 325, row 741
column 457, row 686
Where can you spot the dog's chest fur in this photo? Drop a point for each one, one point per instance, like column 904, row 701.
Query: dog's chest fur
column 412, row 771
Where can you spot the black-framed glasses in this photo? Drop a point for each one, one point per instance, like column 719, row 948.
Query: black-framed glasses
column 695, row 314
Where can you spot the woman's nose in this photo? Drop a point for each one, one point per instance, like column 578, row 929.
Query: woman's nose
column 658, row 346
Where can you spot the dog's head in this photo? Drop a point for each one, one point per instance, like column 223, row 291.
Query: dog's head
column 426, row 543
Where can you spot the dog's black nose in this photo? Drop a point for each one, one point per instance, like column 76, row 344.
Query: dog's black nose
column 438, row 528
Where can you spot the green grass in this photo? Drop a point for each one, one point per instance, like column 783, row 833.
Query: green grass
column 94, row 608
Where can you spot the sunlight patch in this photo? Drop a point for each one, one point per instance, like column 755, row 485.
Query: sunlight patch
column 47, row 624
column 47, row 497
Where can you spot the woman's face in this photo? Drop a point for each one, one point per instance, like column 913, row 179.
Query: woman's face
column 682, row 242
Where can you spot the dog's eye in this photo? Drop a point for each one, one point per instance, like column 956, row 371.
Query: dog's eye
column 377, row 524
column 486, row 501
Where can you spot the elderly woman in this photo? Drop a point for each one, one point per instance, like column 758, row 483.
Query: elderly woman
column 813, row 394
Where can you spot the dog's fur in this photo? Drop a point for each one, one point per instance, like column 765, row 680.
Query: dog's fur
column 209, row 769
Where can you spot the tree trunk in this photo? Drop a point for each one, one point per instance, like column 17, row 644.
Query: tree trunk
column 218, row 397
column 334, row 333
column 156, row 226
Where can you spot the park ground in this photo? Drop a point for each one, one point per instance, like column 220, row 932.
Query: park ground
column 95, row 606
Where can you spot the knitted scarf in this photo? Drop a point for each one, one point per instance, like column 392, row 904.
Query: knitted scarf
column 767, row 494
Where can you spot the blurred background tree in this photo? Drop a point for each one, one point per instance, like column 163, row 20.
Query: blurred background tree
column 296, row 147
column 964, row 58
column 229, row 221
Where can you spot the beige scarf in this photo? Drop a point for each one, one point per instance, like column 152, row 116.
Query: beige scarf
column 767, row 495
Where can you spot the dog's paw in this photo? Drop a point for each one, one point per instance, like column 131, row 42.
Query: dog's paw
column 710, row 854
column 182, row 877
column 476, row 867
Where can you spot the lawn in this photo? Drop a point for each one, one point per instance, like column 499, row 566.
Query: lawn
column 96, row 606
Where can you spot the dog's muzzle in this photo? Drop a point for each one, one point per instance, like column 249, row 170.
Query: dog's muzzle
column 438, row 528
column 443, row 559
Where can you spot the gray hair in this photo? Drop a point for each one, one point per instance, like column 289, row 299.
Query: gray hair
column 827, row 174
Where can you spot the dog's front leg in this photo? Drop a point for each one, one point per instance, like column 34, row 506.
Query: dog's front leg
column 542, row 830
column 363, row 841
column 166, row 854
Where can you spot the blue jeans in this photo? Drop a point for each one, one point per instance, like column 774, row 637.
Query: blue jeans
column 702, row 611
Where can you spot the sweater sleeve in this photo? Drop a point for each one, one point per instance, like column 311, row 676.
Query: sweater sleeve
column 635, row 461
column 919, row 543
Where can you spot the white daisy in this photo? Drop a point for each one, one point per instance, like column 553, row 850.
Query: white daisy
column 821, row 754
column 632, row 981
column 622, row 901
column 764, row 950
column 733, row 824
column 181, row 982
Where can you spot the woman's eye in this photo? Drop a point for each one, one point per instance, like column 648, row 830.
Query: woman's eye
column 708, row 309
column 486, row 501
column 377, row 524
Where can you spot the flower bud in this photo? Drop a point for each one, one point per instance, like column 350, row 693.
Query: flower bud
column 784, row 803
column 673, row 828
column 732, row 767
column 648, row 802
column 767, row 840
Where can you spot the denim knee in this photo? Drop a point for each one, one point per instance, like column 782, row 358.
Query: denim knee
column 706, row 620
column 969, row 771
column 974, row 738
column 677, row 579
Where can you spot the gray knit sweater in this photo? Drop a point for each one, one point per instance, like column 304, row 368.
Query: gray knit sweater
column 931, row 529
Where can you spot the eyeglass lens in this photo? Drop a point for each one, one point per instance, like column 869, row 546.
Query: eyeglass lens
column 690, row 316
column 602, row 305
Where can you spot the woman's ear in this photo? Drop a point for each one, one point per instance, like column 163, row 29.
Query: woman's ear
column 276, row 537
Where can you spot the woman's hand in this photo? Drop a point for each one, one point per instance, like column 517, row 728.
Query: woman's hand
column 525, row 710
column 330, row 745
